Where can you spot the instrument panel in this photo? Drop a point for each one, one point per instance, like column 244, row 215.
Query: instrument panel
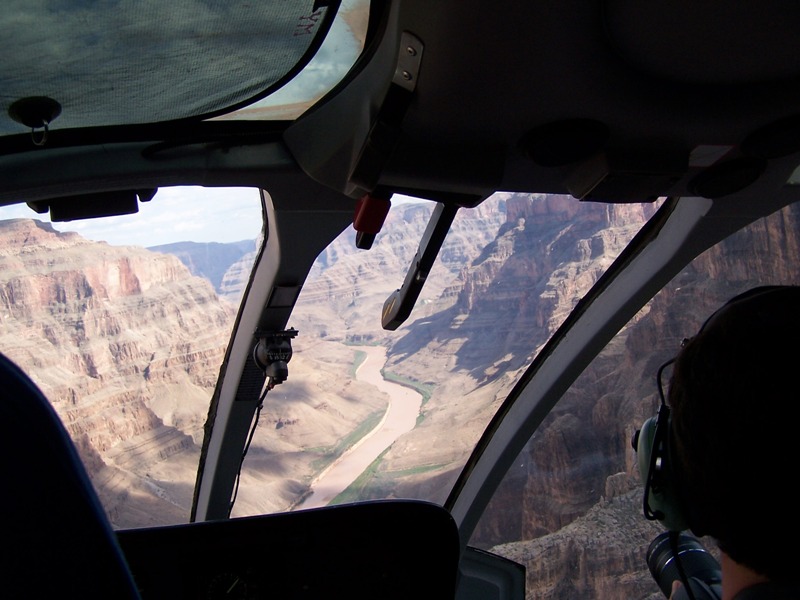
column 386, row 549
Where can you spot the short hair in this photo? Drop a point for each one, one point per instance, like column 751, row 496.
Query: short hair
column 735, row 408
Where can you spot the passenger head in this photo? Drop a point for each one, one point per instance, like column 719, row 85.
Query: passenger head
column 735, row 416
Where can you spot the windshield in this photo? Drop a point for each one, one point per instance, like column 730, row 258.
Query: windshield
column 128, row 341
column 370, row 414
column 570, row 508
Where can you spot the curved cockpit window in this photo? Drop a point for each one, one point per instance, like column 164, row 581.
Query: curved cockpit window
column 367, row 413
column 339, row 51
column 124, row 63
column 570, row 507
column 123, row 323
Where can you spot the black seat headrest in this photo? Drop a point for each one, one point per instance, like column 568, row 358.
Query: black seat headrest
column 57, row 541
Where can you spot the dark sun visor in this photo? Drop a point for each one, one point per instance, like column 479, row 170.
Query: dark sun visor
column 93, row 63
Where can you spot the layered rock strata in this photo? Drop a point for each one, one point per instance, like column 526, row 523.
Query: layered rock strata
column 127, row 345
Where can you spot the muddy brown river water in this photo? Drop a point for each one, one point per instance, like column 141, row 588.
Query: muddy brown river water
column 401, row 417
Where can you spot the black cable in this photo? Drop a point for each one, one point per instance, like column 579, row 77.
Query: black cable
column 673, row 542
column 247, row 447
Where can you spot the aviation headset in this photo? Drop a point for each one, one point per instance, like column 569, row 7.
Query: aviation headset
column 658, row 468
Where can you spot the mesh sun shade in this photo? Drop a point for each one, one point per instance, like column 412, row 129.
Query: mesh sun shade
column 118, row 62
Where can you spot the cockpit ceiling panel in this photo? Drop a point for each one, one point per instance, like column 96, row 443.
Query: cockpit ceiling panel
column 707, row 43
column 119, row 62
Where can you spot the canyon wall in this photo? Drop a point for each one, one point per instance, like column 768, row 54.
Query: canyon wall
column 583, row 534
column 127, row 345
column 213, row 261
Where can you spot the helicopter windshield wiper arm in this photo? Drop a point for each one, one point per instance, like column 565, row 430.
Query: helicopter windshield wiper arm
column 398, row 305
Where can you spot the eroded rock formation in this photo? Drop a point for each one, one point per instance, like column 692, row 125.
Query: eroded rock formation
column 126, row 344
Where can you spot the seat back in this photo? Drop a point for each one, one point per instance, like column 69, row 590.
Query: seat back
column 56, row 539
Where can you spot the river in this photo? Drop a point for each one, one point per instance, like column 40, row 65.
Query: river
column 401, row 417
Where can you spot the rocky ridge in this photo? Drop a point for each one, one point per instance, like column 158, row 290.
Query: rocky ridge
column 213, row 261
column 346, row 288
column 113, row 336
column 509, row 300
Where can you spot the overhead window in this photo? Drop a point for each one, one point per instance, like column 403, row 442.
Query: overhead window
column 115, row 63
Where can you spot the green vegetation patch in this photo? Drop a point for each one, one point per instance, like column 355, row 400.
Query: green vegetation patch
column 329, row 454
column 424, row 389
column 374, row 484
column 418, row 470
column 358, row 360
column 357, row 490
column 368, row 340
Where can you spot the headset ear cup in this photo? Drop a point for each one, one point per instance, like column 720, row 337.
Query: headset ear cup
column 644, row 449
column 657, row 473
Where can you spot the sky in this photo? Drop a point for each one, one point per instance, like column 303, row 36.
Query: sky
column 177, row 214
